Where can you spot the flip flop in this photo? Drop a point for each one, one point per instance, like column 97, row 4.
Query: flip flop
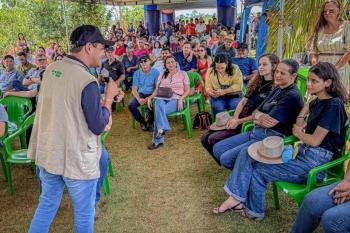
column 245, row 214
column 234, row 209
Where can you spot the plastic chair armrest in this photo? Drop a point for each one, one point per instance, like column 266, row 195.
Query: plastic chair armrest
column 247, row 126
column 311, row 179
column 290, row 140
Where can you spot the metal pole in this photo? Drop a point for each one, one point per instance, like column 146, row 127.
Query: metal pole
column 280, row 31
column 65, row 23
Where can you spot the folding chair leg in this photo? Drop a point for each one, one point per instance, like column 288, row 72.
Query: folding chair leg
column 275, row 196
column 106, row 186
column 188, row 123
column 23, row 140
column 4, row 167
column 9, row 180
column 110, row 168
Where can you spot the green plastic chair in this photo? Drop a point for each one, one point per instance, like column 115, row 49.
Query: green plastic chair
column 18, row 109
column 15, row 157
column 106, row 186
column 334, row 172
column 197, row 97
column 302, row 79
column 186, row 117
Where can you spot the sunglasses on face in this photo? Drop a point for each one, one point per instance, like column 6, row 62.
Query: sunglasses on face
column 201, row 50
column 143, row 61
column 326, row 12
column 42, row 60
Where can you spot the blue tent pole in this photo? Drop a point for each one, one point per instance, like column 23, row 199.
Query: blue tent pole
column 244, row 21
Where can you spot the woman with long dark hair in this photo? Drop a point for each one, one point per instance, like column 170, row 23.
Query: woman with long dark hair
column 322, row 140
column 331, row 40
column 257, row 90
column 224, row 83
column 22, row 43
column 179, row 83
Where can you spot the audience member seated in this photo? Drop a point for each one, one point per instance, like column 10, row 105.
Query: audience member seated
column 328, row 206
column 157, row 50
column 10, row 74
column 32, row 79
column 178, row 81
column 323, row 139
column 130, row 62
column 114, row 67
column 49, row 51
column 227, row 47
column 120, row 48
column 144, row 83
column 141, row 49
column 246, row 64
column 159, row 64
column 274, row 117
column 186, row 58
column 224, row 84
column 22, row 44
column 204, row 61
column 258, row 89
column 24, row 66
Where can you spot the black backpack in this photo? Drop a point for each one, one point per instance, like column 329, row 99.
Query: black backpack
column 202, row 120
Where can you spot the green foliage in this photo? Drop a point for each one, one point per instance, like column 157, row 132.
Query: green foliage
column 42, row 20
column 132, row 15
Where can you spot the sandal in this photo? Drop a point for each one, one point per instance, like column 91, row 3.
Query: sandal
column 245, row 214
column 234, row 209
column 160, row 134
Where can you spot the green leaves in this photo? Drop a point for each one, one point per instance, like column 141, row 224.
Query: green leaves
column 42, row 20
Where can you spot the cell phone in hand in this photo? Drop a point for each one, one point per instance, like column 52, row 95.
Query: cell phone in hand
column 106, row 79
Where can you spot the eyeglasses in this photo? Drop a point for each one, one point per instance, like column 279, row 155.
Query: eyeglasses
column 201, row 50
column 326, row 12
column 42, row 60
column 143, row 61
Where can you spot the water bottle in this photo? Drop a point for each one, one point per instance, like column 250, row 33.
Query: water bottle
column 287, row 153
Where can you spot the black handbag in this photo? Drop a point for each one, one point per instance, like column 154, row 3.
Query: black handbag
column 164, row 92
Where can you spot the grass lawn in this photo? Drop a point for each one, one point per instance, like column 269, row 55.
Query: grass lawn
column 172, row 189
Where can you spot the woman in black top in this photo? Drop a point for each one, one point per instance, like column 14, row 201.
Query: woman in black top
column 322, row 140
column 258, row 89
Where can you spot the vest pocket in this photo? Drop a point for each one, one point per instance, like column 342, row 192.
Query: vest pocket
column 90, row 158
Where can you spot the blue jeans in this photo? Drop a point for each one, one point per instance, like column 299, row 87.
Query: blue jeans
column 227, row 150
column 162, row 108
column 249, row 179
column 18, row 86
column 133, row 107
column 82, row 194
column 104, row 160
column 318, row 207
column 223, row 103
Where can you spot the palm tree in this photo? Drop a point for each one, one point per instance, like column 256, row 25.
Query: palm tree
column 300, row 17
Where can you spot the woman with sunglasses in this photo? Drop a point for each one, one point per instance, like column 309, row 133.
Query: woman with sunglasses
column 179, row 83
column 331, row 40
column 203, row 62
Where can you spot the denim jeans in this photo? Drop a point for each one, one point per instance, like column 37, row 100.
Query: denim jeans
column 104, row 160
column 128, row 80
column 223, row 103
column 227, row 150
column 82, row 194
column 162, row 108
column 210, row 138
column 133, row 107
column 249, row 179
column 18, row 86
column 319, row 207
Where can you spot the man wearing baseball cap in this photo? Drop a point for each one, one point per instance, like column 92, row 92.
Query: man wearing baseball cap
column 65, row 140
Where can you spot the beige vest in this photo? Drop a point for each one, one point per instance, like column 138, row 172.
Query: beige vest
column 61, row 141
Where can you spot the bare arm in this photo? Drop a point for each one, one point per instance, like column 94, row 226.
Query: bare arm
column 2, row 128
column 28, row 94
column 314, row 139
column 343, row 60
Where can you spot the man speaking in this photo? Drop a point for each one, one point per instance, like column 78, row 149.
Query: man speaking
column 65, row 141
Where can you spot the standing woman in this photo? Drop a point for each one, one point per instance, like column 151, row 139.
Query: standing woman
column 203, row 62
column 179, row 83
column 22, row 43
column 331, row 40
column 224, row 83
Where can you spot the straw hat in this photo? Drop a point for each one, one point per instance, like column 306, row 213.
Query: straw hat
column 268, row 150
column 229, row 37
column 221, row 119
column 223, row 33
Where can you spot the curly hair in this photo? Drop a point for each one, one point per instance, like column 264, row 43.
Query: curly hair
column 256, row 81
